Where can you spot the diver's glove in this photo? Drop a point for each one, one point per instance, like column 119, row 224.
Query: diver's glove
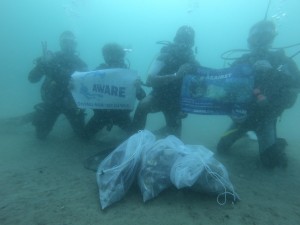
column 43, row 62
column 185, row 69
column 140, row 93
column 261, row 99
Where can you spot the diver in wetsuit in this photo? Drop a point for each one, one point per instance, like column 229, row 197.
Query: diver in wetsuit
column 165, row 78
column 276, row 86
column 114, row 57
column 57, row 69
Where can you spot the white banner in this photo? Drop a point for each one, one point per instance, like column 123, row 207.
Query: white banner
column 104, row 89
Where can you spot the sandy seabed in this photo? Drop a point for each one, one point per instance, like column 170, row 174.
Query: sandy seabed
column 45, row 183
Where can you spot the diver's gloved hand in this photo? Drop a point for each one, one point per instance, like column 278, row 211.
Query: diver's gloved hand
column 47, row 54
column 261, row 99
column 42, row 62
column 138, row 83
column 140, row 93
column 184, row 70
column 46, row 57
column 262, row 66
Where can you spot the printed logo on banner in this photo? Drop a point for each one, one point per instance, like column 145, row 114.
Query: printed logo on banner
column 105, row 89
column 218, row 91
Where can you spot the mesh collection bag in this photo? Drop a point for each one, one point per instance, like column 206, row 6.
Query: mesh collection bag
column 158, row 165
column 157, row 161
column 118, row 170
column 200, row 171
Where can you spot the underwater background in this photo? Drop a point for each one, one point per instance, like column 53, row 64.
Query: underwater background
column 220, row 26
column 46, row 183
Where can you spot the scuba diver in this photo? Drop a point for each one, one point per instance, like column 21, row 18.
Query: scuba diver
column 56, row 96
column 165, row 77
column 113, row 55
column 276, row 86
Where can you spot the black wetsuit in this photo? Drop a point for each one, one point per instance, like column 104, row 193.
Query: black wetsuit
column 56, row 96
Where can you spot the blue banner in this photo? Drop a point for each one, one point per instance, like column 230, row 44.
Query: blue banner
column 218, row 91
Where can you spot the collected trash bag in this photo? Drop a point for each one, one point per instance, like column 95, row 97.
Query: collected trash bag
column 185, row 170
column 157, row 161
column 118, row 170
column 200, row 171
